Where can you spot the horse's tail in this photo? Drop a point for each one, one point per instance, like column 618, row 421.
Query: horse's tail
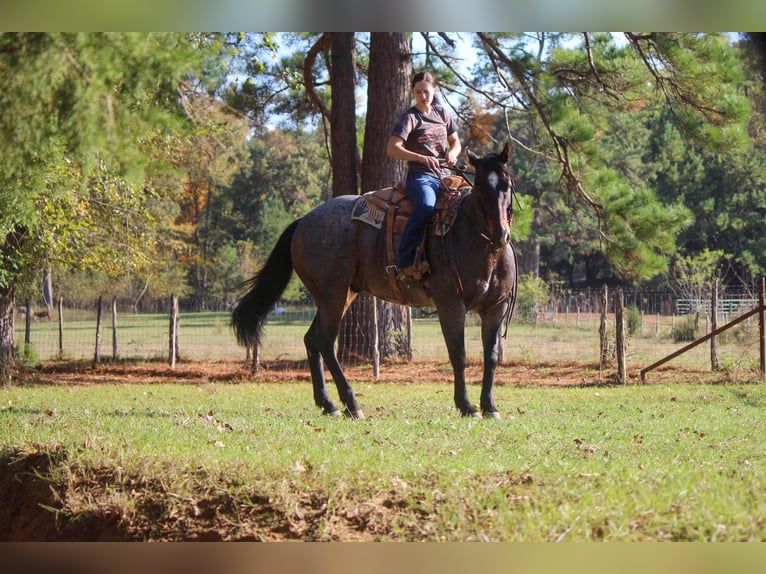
column 263, row 291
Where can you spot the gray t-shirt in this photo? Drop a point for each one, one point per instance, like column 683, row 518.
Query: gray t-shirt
column 425, row 134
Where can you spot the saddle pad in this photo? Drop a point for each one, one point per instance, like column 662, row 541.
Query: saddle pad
column 371, row 208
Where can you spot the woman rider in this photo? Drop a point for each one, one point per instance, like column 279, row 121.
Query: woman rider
column 424, row 136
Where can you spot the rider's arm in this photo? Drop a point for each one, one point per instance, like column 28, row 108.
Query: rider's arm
column 396, row 150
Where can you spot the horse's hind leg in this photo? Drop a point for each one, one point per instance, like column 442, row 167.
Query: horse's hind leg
column 316, row 366
column 320, row 342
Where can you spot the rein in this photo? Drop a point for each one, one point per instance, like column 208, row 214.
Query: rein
column 462, row 171
column 491, row 244
column 449, row 250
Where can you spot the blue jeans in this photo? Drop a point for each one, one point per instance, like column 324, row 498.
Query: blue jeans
column 422, row 189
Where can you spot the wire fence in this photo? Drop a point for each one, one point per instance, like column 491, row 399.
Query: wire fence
column 565, row 329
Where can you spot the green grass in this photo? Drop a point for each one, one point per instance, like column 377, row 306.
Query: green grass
column 636, row 463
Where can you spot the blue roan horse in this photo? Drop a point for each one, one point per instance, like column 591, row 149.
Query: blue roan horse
column 336, row 257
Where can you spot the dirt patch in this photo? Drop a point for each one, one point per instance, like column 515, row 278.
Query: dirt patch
column 515, row 373
column 21, row 480
column 56, row 500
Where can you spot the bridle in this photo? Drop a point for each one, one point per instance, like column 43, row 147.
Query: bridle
column 462, row 171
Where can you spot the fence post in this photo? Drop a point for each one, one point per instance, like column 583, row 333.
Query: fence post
column 375, row 341
column 114, row 329
column 409, row 333
column 619, row 320
column 762, row 325
column 99, row 308
column 61, row 326
column 173, row 331
column 602, row 331
column 28, row 324
column 714, row 364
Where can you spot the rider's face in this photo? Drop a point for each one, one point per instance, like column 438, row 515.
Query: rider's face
column 424, row 93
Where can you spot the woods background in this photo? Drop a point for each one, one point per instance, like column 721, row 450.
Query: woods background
column 146, row 165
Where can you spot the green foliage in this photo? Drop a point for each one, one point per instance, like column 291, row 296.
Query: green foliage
column 634, row 319
column 640, row 231
column 684, row 331
column 523, row 214
column 694, row 276
column 589, row 107
column 27, row 356
column 80, row 114
column 118, row 164
column 533, row 293
column 286, row 177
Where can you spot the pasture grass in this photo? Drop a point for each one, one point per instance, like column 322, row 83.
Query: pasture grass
column 259, row 461
column 207, row 336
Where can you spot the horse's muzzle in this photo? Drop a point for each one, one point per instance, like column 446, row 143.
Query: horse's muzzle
column 500, row 242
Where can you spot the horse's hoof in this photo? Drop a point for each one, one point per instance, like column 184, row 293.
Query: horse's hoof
column 491, row 415
column 335, row 413
column 357, row 414
column 471, row 414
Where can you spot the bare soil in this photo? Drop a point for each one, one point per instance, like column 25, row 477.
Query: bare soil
column 516, row 373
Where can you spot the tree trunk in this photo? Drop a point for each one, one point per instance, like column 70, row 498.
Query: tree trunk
column 602, row 330
column 7, row 334
column 353, row 343
column 388, row 95
column 532, row 251
column 48, row 291
column 343, row 115
column 619, row 320
column 8, row 252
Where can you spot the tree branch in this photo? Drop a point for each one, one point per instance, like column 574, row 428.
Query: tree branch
column 559, row 144
column 321, row 45
column 650, row 51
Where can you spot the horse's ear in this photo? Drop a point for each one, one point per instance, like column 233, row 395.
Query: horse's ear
column 505, row 155
column 472, row 157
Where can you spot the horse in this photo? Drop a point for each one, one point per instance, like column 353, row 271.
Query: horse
column 336, row 257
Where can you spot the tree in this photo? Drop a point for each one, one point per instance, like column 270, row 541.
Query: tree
column 345, row 155
column 388, row 94
column 694, row 278
column 389, row 69
column 570, row 92
column 80, row 114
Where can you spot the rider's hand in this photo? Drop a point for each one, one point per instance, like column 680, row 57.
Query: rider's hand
column 432, row 162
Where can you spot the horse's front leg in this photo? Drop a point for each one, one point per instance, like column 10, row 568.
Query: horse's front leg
column 491, row 325
column 453, row 328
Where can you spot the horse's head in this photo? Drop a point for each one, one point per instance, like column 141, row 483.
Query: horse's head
column 493, row 185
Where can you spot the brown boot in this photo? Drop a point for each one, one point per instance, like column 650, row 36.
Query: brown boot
column 415, row 271
column 411, row 272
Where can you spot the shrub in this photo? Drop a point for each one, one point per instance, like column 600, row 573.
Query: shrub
column 533, row 294
column 683, row 332
column 634, row 319
column 27, row 356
